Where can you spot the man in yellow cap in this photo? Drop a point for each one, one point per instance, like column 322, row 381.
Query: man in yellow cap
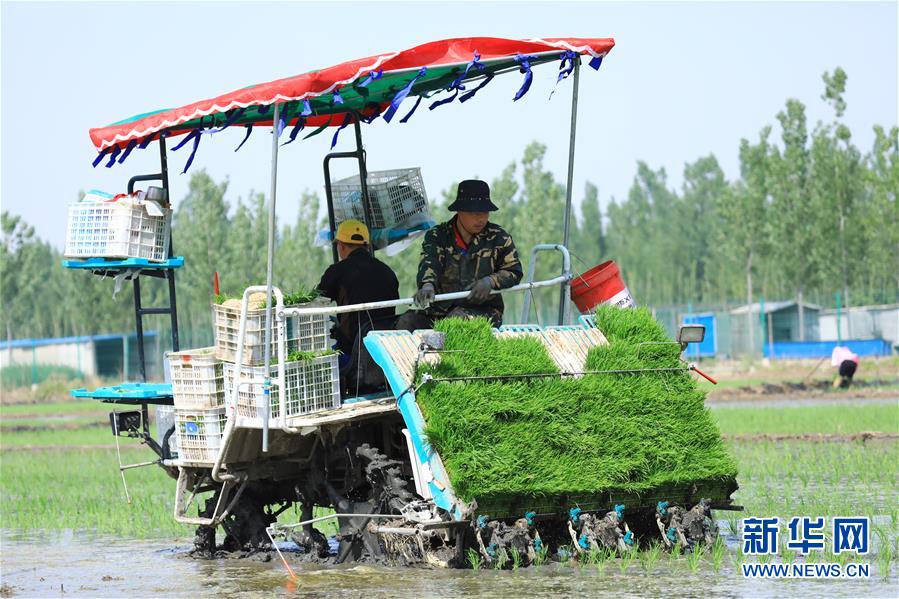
column 358, row 278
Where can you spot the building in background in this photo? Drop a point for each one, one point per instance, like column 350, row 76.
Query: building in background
column 112, row 356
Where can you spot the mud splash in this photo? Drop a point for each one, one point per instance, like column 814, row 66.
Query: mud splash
column 84, row 565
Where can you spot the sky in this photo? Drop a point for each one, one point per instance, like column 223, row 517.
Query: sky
column 683, row 81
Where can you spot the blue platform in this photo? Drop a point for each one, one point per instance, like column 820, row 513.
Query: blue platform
column 130, row 393
column 111, row 264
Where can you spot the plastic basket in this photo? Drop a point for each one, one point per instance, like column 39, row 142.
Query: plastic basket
column 196, row 377
column 199, row 433
column 312, row 386
column 303, row 333
column 117, row 230
column 397, row 197
column 165, row 420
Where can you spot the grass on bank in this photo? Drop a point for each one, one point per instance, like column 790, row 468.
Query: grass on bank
column 552, row 437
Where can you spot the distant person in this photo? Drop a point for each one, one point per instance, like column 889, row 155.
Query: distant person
column 358, row 278
column 846, row 361
column 466, row 253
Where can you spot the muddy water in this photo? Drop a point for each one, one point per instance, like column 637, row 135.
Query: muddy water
column 83, row 565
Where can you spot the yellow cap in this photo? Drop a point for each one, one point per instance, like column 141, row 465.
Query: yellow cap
column 352, row 231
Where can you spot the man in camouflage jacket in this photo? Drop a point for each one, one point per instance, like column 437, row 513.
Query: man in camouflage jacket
column 465, row 253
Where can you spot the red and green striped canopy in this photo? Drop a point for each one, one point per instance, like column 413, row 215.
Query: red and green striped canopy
column 359, row 89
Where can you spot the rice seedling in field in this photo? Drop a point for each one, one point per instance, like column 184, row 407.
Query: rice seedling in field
column 650, row 556
column 600, row 559
column 718, row 551
column 553, row 437
column 694, row 558
column 516, row 558
column 474, row 559
column 884, row 555
column 625, row 562
column 540, row 555
column 832, row 419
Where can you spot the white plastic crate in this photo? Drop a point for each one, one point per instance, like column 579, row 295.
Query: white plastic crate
column 117, row 230
column 200, row 433
column 303, row 333
column 312, row 385
column 197, row 380
column 398, row 198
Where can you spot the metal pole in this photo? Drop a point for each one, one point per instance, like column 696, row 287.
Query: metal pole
column 566, row 289
column 363, row 181
column 268, row 279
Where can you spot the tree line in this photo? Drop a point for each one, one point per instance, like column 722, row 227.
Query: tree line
column 809, row 215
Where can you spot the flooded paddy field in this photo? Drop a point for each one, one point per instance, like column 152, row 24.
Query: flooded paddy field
column 66, row 530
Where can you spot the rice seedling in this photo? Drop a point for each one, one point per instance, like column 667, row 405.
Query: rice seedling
column 625, row 562
column 650, row 556
column 474, row 559
column 718, row 552
column 554, row 437
column 502, row 558
column 738, row 559
column 516, row 558
column 694, row 558
column 540, row 555
column 600, row 559
column 676, row 552
column 835, row 419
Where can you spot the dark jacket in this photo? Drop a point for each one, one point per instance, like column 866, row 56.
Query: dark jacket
column 445, row 265
column 358, row 279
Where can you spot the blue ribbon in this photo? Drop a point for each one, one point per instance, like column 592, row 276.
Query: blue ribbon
column 476, row 62
column 307, row 108
column 230, row 121
column 401, row 95
column 100, row 157
column 529, row 516
column 629, row 538
column 482, row 521
column 437, row 103
column 469, row 95
column 131, row 145
column 195, row 135
column 361, row 87
column 662, row 508
column 584, row 542
column 573, row 514
column 184, row 141
column 368, row 120
column 569, row 57
column 143, row 145
column 336, row 98
column 595, row 62
column 282, row 120
column 525, row 63
column 619, row 509
column 346, row 121
column 301, row 122
column 115, row 154
column 246, row 137
column 672, row 535
column 411, row 112
column 373, row 76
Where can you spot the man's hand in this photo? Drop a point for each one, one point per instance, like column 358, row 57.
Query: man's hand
column 480, row 293
column 424, row 296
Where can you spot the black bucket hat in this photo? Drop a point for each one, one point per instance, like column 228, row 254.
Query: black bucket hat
column 473, row 195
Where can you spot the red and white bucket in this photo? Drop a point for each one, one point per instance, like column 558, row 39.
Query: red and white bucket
column 600, row 285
